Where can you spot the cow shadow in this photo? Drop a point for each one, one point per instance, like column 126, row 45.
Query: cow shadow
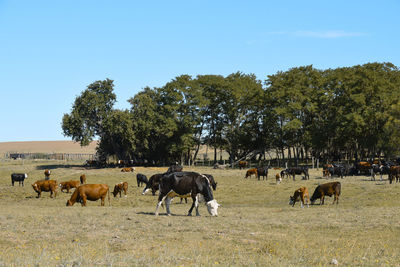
column 161, row 214
column 57, row 166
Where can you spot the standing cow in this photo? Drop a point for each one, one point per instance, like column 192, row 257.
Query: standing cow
column 119, row 187
column 262, row 171
column 18, row 177
column 141, row 179
column 45, row 186
column 90, row 192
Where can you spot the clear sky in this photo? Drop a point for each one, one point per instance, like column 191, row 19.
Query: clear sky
column 51, row 50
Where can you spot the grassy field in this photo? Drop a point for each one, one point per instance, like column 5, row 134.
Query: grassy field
column 256, row 226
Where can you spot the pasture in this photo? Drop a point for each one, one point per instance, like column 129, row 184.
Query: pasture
column 256, row 226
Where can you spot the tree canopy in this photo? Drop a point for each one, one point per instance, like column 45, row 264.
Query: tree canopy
column 351, row 112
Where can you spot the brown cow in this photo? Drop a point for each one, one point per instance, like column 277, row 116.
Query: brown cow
column 242, row 164
column 82, row 178
column 328, row 189
column 47, row 174
column 128, row 169
column 90, row 192
column 46, row 186
column 68, row 185
column 250, row 172
column 118, row 188
column 278, row 178
column 394, row 173
column 302, row 194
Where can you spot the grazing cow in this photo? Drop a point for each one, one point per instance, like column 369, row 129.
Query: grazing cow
column 127, row 169
column 328, row 189
column 212, row 183
column 184, row 183
column 243, row 164
column 175, row 168
column 141, row 179
column 68, row 185
column 278, row 178
column 47, row 174
column 118, row 188
column 18, row 177
column 82, row 179
column 298, row 170
column 153, row 183
column 284, row 173
column 250, row 172
column 45, row 186
column 340, row 171
column 300, row 194
column 262, row 171
column 90, row 192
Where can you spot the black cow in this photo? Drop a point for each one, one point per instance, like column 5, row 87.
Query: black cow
column 18, row 177
column 153, row 183
column 141, row 179
column 175, row 168
column 183, row 184
column 262, row 171
column 298, row 170
column 338, row 170
column 328, row 189
column 212, row 183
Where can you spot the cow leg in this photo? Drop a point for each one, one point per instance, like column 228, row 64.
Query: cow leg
column 196, row 204
column 160, row 201
column 83, row 199
column 103, row 200
column 294, row 177
column 302, row 201
column 12, row 182
column 39, row 193
column 193, row 204
column 167, row 203
column 322, row 200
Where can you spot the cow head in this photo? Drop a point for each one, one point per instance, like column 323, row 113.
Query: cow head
column 291, row 200
column 26, row 175
column 35, row 187
column 212, row 207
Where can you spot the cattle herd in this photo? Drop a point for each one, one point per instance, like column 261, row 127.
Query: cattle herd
column 178, row 183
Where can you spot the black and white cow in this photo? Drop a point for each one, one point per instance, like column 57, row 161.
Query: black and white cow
column 185, row 184
column 141, row 179
column 153, row 183
column 18, row 177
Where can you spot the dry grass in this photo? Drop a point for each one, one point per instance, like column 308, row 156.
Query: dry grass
column 256, row 225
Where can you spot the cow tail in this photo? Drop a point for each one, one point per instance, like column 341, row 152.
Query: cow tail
column 108, row 191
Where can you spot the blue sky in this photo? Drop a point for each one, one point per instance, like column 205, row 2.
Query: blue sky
column 51, row 50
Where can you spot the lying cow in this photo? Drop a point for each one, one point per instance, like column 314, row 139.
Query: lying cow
column 128, row 169
column 45, row 186
column 90, row 192
column 118, row 188
column 68, row 185
column 18, row 177
column 300, row 194
column 141, row 179
column 82, row 179
column 250, row 172
column 185, row 183
column 328, row 189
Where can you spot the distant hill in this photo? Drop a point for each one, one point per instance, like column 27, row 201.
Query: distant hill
column 47, row 147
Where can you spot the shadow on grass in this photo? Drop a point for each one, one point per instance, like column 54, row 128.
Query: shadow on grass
column 161, row 214
column 56, row 166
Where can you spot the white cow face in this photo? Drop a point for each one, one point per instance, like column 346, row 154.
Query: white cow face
column 212, row 207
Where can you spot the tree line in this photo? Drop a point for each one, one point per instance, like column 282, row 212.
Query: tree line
column 333, row 114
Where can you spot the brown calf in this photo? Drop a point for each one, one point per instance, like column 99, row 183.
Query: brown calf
column 328, row 189
column 45, row 186
column 68, row 185
column 90, row 192
column 250, row 172
column 302, row 194
column 128, row 169
column 118, row 188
